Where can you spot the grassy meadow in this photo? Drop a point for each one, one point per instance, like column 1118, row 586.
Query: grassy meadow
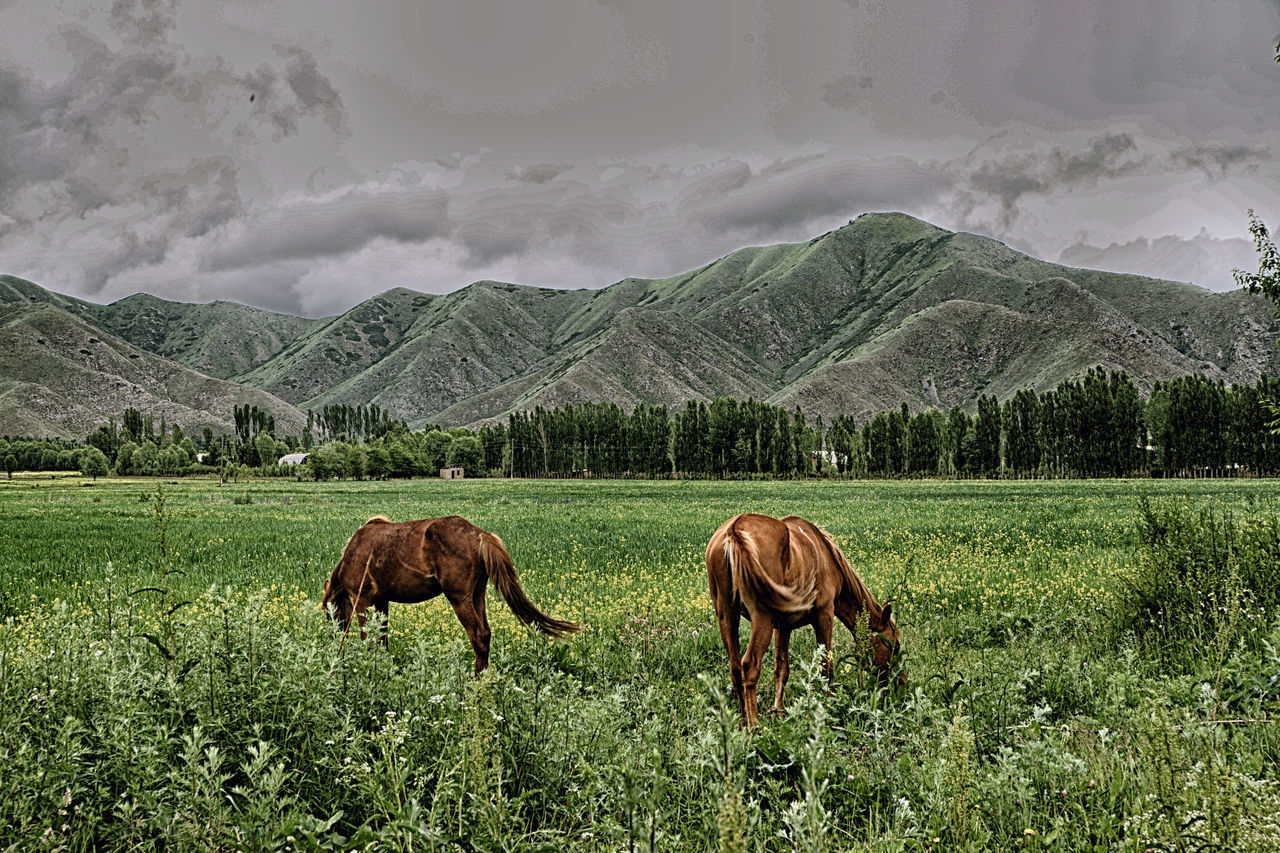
column 167, row 681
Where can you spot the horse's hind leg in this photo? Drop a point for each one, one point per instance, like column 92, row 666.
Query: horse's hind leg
column 781, row 667
column 477, row 631
column 729, row 635
column 761, row 634
column 480, row 606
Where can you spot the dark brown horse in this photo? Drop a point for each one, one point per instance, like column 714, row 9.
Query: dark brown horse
column 416, row 560
column 782, row 575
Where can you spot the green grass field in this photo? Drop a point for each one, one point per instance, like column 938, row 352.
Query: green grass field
column 191, row 696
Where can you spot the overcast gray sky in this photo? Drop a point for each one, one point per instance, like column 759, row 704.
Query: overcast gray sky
column 303, row 156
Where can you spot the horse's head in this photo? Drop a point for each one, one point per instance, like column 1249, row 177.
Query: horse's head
column 335, row 594
column 886, row 645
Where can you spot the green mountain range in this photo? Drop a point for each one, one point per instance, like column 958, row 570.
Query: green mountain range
column 884, row 310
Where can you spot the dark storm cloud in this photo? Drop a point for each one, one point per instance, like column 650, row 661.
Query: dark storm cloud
column 1011, row 177
column 1202, row 259
column 848, row 92
column 58, row 129
column 1107, row 156
column 569, row 215
column 189, row 204
column 585, row 225
column 1215, row 159
column 286, row 96
column 780, row 198
column 718, row 181
column 128, row 249
column 334, row 226
column 52, row 133
column 325, row 152
column 538, row 174
column 84, row 149
column 65, row 155
column 143, row 21
column 486, row 244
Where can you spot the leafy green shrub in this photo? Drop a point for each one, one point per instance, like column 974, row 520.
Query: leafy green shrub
column 1200, row 573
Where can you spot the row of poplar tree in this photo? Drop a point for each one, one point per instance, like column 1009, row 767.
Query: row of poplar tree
column 1096, row 426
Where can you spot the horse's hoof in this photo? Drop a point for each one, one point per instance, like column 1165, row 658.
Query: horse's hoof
column 775, row 713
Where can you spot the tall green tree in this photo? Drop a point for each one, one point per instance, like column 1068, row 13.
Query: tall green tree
column 986, row 431
column 723, row 434
column 957, row 431
column 784, row 446
column 132, row 425
column 432, row 454
column 804, row 443
column 466, row 451
column 1266, row 281
column 1021, row 418
column 1129, row 430
column 924, row 443
column 875, row 437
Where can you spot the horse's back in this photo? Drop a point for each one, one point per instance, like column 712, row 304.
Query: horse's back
column 396, row 559
column 806, row 537
column 751, row 557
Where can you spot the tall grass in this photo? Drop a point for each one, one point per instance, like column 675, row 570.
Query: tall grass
column 219, row 712
column 1203, row 574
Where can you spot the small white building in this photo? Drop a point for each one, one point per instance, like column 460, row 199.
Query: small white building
column 452, row 473
column 293, row 459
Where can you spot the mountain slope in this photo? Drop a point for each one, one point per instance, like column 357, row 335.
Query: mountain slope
column 417, row 355
column 937, row 357
column 884, row 310
column 217, row 338
column 645, row 355
column 60, row 375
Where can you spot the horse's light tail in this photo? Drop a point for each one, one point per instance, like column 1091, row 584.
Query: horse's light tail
column 754, row 584
column 498, row 564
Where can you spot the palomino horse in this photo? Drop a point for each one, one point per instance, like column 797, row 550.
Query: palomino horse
column 416, row 560
column 783, row 574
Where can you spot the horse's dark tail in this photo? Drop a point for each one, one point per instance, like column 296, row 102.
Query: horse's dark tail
column 752, row 581
column 498, row 564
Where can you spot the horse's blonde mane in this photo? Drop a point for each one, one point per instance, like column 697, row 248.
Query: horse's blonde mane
column 380, row 519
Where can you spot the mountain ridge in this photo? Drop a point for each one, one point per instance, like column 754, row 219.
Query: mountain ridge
column 56, row 368
column 884, row 310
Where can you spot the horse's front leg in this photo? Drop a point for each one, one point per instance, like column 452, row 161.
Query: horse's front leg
column 360, row 614
column 823, row 625
column 384, row 609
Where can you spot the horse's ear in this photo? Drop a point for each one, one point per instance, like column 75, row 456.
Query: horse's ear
column 886, row 613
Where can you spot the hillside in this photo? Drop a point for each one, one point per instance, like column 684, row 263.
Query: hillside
column 884, row 310
column 218, row 338
column 61, row 375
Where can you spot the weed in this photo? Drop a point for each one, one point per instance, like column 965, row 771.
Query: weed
column 214, row 712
